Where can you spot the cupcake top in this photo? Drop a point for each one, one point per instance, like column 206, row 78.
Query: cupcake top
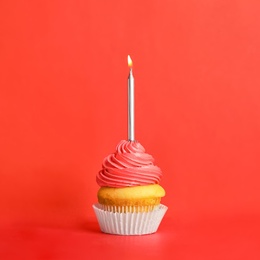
column 128, row 166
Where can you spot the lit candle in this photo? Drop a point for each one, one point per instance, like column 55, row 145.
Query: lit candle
column 131, row 123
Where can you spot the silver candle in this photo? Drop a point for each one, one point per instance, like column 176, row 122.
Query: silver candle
column 131, row 114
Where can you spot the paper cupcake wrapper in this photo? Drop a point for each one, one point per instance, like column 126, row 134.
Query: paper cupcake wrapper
column 131, row 223
column 127, row 209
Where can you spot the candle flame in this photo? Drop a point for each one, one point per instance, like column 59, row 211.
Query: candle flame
column 130, row 63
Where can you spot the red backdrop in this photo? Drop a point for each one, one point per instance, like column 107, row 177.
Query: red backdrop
column 63, row 103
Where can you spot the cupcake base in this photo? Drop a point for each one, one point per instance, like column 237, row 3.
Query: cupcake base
column 130, row 223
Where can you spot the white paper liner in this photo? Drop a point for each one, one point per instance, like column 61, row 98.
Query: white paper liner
column 135, row 223
column 125, row 209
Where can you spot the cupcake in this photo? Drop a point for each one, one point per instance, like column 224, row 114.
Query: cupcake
column 129, row 198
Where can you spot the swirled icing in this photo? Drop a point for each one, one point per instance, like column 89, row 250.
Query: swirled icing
column 130, row 165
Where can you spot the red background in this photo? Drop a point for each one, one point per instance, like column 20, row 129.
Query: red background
column 63, row 107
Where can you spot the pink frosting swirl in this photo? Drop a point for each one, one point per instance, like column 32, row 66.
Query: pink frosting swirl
column 128, row 166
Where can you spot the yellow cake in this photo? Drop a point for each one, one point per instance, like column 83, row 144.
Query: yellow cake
column 129, row 199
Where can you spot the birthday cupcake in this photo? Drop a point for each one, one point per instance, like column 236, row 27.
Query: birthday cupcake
column 129, row 196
